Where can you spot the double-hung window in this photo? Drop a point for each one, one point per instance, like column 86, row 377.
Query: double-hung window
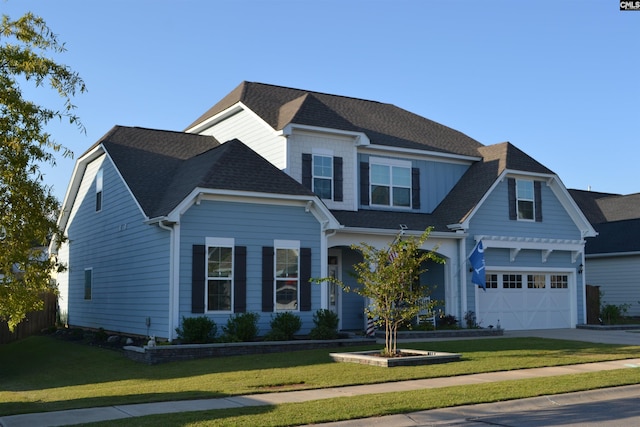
column 287, row 278
column 323, row 176
column 219, row 292
column 525, row 199
column 390, row 182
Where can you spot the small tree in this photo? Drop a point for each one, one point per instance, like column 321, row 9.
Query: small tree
column 27, row 206
column 389, row 277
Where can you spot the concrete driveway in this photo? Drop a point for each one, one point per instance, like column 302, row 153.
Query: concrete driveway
column 604, row 336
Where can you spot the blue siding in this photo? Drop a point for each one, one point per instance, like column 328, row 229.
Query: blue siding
column 436, row 180
column 130, row 262
column 253, row 226
column 492, row 218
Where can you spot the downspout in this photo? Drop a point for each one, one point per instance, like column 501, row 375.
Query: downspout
column 174, row 242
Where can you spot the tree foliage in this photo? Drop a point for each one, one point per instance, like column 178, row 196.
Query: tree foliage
column 389, row 278
column 27, row 206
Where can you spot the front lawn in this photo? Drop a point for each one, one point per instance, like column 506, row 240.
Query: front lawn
column 44, row 374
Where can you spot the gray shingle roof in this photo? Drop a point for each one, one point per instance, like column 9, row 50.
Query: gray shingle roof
column 384, row 124
column 161, row 168
column 460, row 202
column 475, row 183
column 615, row 217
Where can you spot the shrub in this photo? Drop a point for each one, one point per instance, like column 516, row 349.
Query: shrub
column 470, row 320
column 612, row 314
column 447, row 321
column 197, row 330
column 326, row 325
column 284, row 326
column 241, row 327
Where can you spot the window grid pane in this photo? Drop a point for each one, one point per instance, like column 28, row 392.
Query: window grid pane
column 524, row 195
column 219, row 295
column 512, row 281
column 220, row 262
column 287, row 279
column 559, row 281
column 323, row 176
column 390, row 185
column 491, row 281
column 536, row 281
column 220, row 278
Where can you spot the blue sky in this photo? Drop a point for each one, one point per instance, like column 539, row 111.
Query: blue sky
column 558, row 79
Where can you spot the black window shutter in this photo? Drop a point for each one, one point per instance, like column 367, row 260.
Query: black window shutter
column 364, row 183
column 537, row 191
column 198, row 278
column 306, row 170
column 305, row 276
column 337, row 179
column 511, row 188
column 267, row 279
column 240, row 280
column 415, row 188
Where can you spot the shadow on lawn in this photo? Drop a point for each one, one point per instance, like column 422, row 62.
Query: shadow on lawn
column 14, row 408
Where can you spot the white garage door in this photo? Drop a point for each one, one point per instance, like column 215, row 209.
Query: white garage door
column 525, row 301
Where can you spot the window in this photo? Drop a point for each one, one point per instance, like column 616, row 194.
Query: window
column 525, row 199
column 559, row 281
column 219, row 292
column 88, row 283
column 390, row 183
column 323, row 176
column 492, row 281
column 287, row 257
column 99, row 191
column 536, row 281
column 512, row 281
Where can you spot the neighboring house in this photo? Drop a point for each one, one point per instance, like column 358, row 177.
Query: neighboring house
column 613, row 257
column 146, row 207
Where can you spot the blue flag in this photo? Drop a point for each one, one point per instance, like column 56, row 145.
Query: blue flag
column 477, row 263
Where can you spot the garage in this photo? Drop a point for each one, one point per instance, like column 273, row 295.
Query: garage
column 526, row 300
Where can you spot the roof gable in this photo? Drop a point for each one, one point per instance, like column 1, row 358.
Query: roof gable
column 161, row 168
column 481, row 176
column 384, row 124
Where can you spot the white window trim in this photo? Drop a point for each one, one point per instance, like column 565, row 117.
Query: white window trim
column 532, row 200
column 225, row 242
column 383, row 161
column 321, row 153
column 285, row 244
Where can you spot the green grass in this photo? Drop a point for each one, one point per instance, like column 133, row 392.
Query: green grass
column 43, row 374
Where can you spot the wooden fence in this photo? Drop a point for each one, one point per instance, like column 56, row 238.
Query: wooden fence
column 33, row 324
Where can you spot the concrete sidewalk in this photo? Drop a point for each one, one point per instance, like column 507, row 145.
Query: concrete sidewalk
column 88, row 415
column 79, row 416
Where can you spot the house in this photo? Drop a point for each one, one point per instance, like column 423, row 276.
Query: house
column 613, row 257
column 273, row 185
